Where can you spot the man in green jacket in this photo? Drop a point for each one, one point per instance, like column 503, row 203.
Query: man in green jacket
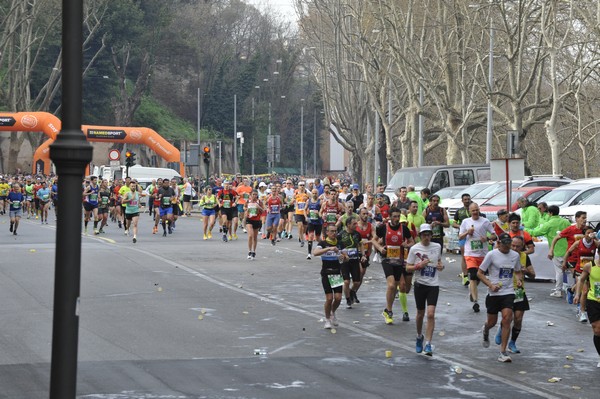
column 530, row 215
column 550, row 229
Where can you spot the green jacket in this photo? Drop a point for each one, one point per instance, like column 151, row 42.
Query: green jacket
column 550, row 229
column 530, row 217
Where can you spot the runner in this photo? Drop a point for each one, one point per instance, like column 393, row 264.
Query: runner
column 132, row 209
column 366, row 231
column 331, row 278
column 228, row 204
column 243, row 191
column 123, row 190
column 188, row 193
column 29, row 209
column 208, row 203
column 155, row 201
column 43, row 196
column 15, row 200
column 503, row 267
column 461, row 214
column 286, row 223
column 300, row 199
column 175, row 203
column 263, row 195
column 312, row 213
column 4, row 189
column 437, row 217
column 90, row 203
column 425, row 258
column 165, row 195
column 274, row 206
column 474, row 230
column 590, row 273
column 395, row 238
column 54, row 193
column 253, row 208
column 349, row 242
column 103, row 204
column 521, row 301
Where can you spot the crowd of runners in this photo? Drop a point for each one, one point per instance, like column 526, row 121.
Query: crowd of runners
column 349, row 228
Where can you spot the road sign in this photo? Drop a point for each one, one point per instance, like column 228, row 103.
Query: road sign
column 115, row 163
column 114, row 155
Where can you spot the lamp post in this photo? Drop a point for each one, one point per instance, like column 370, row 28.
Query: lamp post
column 301, row 136
column 315, row 143
column 490, row 111
column 235, row 163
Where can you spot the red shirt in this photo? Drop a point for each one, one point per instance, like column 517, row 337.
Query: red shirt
column 274, row 204
column 569, row 233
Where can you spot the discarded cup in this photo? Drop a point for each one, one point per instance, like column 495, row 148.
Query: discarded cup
column 549, row 323
column 554, row 379
column 456, row 369
column 388, row 354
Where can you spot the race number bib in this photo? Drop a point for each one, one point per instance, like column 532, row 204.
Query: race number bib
column 166, row 201
column 274, row 208
column 597, row 290
column 313, row 215
column 335, row 280
column 428, row 271
column 133, row 202
column 505, row 273
column 393, row 252
column 246, row 196
column 331, row 218
column 16, row 204
column 519, row 295
column 300, row 206
column 352, row 253
column 226, row 203
column 252, row 210
column 93, row 197
column 476, row 245
column 45, row 197
column 104, row 200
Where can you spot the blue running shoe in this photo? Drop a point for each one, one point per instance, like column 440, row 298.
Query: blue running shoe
column 428, row 350
column 512, row 347
column 420, row 344
column 499, row 336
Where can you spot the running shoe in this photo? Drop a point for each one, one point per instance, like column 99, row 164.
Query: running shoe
column 290, row 236
column 476, row 307
column 428, row 350
column 348, row 303
column 334, row 319
column 419, row 346
column 465, row 280
column 498, row 338
column 327, row 325
column 249, row 255
column 15, row 233
column 165, row 234
column 486, row 338
column 244, row 230
column 583, row 317
column 273, row 242
column 504, row 358
column 301, row 243
column 224, row 237
column 354, row 297
column 126, row 232
column 11, row 228
column 96, row 231
column 598, row 365
column 210, row 234
column 264, row 236
column 309, row 256
column 101, row 231
column 278, row 239
column 405, row 317
column 253, row 255
column 556, row 294
column 234, row 236
column 204, row 237
column 134, row 240
column 512, row 347
column 388, row 316
column 46, row 222
column 170, row 230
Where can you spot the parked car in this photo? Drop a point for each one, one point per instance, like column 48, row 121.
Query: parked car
column 494, row 204
column 455, row 202
column 571, row 194
column 591, row 205
column 545, row 180
column 450, row 192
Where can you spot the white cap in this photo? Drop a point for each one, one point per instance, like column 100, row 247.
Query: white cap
column 262, row 184
column 424, row 227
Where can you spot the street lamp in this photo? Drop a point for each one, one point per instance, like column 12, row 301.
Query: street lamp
column 301, row 136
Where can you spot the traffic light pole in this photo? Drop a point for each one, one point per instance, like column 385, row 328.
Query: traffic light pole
column 127, row 171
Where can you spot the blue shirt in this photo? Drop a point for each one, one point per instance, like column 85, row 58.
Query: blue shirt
column 16, row 199
column 43, row 194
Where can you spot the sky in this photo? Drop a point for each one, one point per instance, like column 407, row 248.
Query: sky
column 284, row 7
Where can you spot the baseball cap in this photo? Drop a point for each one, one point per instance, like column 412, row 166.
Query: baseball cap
column 505, row 238
column 262, row 184
column 355, row 186
column 424, row 227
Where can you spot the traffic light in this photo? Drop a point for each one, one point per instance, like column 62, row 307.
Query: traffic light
column 129, row 159
column 206, row 154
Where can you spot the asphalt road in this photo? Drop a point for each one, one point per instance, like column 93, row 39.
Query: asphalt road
column 179, row 317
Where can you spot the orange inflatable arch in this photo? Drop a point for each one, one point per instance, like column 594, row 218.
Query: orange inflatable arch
column 50, row 125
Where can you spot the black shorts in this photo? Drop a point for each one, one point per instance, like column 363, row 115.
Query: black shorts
column 316, row 228
column 228, row 212
column 393, row 269
column 522, row 305
column 187, row 198
column 89, row 207
column 327, row 287
column 130, row 216
column 300, row 219
column 351, row 268
column 176, row 210
column 426, row 294
column 593, row 310
column 256, row 224
column 102, row 211
column 472, row 272
column 495, row 304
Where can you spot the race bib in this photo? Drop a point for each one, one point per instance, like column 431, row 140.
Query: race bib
column 428, row 271
column 476, row 245
column 93, row 197
column 133, row 203
column 519, row 295
column 300, row 206
column 335, row 280
column 245, row 196
column 597, row 290
column 437, row 230
column 252, row 210
column 352, row 253
column 505, row 273
column 274, row 208
column 16, row 204
column 45, row 197
column 313, row 215
column 331, row 218
column 104, row 200
column 166, row 201
column 393, row 252
column 226, row 203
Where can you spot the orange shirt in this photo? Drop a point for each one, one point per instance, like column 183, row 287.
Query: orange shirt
column 301, row 199
column 243, row 193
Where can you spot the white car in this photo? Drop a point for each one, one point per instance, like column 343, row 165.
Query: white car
column 591, row 205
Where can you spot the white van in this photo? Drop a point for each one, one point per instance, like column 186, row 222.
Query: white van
column 144, row 175
column 437, row 177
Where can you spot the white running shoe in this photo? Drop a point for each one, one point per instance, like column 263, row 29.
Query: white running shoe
column 334, row 319
column 504, row 358
column 556, row 294
column 309, row 256
column 327, row 325
column 583, row 317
